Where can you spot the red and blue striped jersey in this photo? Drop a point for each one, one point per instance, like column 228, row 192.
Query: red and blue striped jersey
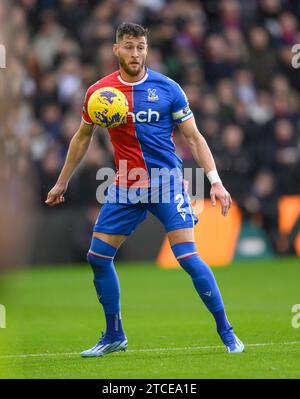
column 156, row 104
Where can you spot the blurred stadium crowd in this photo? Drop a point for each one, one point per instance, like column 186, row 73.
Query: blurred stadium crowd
column 233, row 59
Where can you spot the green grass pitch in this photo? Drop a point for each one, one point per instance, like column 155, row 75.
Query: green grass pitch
column 52, row 314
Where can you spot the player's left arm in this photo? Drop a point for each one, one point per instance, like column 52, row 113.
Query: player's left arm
column 203, row 156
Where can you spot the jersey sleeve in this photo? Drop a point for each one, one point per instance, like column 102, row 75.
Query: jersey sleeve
column 180, row 106
column 85, row 116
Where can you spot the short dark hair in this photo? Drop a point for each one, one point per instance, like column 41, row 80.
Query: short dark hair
column 129, row 28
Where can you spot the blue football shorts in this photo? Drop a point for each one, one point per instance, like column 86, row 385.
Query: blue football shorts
column 122, row 212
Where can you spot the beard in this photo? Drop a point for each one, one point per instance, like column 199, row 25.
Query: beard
column 127, row 68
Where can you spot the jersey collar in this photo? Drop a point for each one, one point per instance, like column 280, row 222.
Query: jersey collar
column 134, row 83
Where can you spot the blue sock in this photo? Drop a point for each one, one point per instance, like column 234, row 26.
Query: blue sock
column 204, row 282
column 100, row 257
column 222, row 322
column 114, row 325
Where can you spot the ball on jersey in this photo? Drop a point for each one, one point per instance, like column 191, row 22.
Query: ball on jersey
column 108, row 107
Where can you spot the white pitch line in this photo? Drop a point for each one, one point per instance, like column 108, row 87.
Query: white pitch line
column 148, row 350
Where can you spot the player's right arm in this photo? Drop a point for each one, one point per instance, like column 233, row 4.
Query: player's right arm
column 77, row 149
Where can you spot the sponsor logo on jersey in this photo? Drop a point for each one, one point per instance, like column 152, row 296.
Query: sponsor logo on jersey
column 152, row 96
column 144, row 116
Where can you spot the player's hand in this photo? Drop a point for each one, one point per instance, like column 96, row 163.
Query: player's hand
column 56, row 194
column 219, row 192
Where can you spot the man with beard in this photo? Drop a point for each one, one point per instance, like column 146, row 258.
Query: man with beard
column 145, row 144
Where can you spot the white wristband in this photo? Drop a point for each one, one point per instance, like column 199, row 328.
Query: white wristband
column 213, row 177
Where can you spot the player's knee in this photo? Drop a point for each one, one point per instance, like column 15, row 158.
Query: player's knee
column 189, row 259
column 195, row 267
column 100, row 254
